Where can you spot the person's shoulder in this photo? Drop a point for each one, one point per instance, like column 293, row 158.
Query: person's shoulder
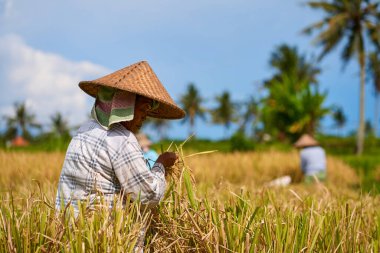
column 319, row 148
column 119, row 135
column 315, row 150
column 118, row 130
column 90, row 126
column 309, row 150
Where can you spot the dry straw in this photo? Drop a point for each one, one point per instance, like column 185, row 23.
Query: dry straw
column 174, row 173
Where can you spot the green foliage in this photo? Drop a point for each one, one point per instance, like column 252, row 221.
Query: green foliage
column 357, row 23
column 240, row 142
column 192, row 104
column 59, row 125
column 287, row 60
column 346, row 145
column 45, row 142
column 374, row 70
column 346, row 19
column 20, row 123
column 225, row 112
column 51, row 142
column 365, row 166
column 294, row 104
column 249, row 114
column 293, row 107
column 374, row 73
column 339, row 117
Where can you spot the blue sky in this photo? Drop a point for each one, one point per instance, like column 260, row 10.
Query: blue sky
column 47, row 47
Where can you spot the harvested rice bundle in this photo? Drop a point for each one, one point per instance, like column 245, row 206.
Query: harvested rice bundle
column 174, row 173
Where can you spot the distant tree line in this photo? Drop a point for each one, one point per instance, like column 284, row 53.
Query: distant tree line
column 293, row 105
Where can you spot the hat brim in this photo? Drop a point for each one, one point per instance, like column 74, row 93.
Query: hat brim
column 306, row 141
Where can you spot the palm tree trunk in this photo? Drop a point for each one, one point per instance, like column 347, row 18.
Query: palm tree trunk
column 376, row 123
column 192, row 122
column 360, row 137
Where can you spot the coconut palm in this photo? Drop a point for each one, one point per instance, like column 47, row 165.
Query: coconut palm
column 249, row 114
column 286, row 60
column 339, row 117
column 59, row 125
column 369, row 131
column 374, row 71
column 294, row 104
column 292, row 108
column 356, row 21
column 21, row 122
column 225, row 112
column 192, row 104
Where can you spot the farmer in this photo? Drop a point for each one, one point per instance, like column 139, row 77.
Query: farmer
column 104, row 159
column 149, row 154
column 313, row 159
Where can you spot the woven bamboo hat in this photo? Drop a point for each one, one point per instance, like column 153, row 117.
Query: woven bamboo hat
column 305, row 141
column 140, row 79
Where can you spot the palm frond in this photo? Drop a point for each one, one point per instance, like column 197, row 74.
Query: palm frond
column 373, row 32
column 326, row 6
column 315, row 26
column 351, row 47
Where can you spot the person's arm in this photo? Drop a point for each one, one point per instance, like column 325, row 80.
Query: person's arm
column 135, row 178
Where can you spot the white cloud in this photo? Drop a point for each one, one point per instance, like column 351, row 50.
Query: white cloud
column 47, row 81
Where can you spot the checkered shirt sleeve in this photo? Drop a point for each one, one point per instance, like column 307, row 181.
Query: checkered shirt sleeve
column 134, row 176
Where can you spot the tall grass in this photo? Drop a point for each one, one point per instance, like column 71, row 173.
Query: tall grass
column 228, row 209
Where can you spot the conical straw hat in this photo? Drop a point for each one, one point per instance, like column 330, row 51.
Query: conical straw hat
column 140, row 79
column 305, row 141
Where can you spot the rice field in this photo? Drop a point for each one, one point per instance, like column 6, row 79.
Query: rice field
column 220, row 202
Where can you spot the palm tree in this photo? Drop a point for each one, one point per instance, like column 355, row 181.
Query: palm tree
column 225, row 112
column 287, row 61
column 368, row 128
column 351, row 20
column 192, row 104
column 22, row 121
column 249, row 114
column 292, row 108
column 59, row 125
column 294, row 104
column 374, row 70
column 339, row 117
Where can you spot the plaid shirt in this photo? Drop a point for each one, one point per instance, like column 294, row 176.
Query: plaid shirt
column 107, row 163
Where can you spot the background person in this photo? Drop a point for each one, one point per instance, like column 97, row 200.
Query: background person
column 150, row 155
column 313, row 159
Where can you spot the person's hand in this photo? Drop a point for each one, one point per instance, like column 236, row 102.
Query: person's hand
column 167, row 159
